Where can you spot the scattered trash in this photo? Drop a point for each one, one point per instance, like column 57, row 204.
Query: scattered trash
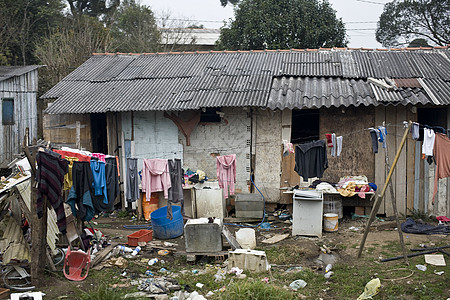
column 246, row 238
column 152, row 261
column 163, row 252
column 265, row 280
column 160, row 285
column 435, row 259
column 195, row 296
column 421, row 267
column 27, row 295
column 136, row 251
column 438, row 273
column 328, row 274
column 236, row 270
column 199, row 285
column 371, row 289
column 328, row 267
column 265, row 225
column 148, row 273
column 118, row 262
column 325, row 259
column 276, row 238
column 353, row 228
column 124, row 249
column 195, row 271
column 209, row 294
column 297, row 284
column 294, row 269
column 219, row 276
column 163, row 270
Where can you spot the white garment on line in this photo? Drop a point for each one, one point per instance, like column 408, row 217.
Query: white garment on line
column 338, row 145
column 428, row 142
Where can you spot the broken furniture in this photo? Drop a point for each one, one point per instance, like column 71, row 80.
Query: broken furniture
column 77, row 263
column 307, row 213
column 251, row 260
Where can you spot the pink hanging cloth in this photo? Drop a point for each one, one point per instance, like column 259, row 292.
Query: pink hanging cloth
column 100, row 156
column 226, row 173
column 155, row 177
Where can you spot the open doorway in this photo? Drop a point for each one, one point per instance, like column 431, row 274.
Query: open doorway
column 99, row 133
column 305, row 126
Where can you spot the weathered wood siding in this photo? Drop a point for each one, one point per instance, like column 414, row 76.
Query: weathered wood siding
column 23, row 89
column 61, row 130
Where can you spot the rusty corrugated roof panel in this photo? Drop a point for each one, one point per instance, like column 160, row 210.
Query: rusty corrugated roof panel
column 407, row 82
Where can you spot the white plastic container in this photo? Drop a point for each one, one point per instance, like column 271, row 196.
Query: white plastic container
column 246, row 238
column 251, row 260
column 330, row 222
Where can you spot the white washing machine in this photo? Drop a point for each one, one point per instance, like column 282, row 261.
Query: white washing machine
column 307, row 213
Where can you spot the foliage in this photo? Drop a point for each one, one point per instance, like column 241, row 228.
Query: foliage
column 284, row 24
column 419, row 42
column 68, row 47
column 232, row 2
column 134, row 28
column 22, row 23
column 404, row 20
column 255, row 290
column 92, row 8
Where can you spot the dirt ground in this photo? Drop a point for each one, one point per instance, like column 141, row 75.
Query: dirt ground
column 344, row 244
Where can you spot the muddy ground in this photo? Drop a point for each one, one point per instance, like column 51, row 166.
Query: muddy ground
column 344, row 244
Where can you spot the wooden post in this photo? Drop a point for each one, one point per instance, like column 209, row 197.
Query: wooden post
column 381, row 195
column 78, row 135
column 39, row 228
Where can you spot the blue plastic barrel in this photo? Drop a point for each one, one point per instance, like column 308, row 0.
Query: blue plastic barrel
column 164, row 228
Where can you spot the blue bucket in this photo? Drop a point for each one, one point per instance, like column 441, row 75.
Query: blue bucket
column 163, row 228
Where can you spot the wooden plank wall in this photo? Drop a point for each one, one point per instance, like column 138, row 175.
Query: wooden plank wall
column 66, row 136
column 403, row 176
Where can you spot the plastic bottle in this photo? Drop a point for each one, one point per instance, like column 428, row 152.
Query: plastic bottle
column 136, row 251
column 328, row 267
column 124, row 249
column 152, row 261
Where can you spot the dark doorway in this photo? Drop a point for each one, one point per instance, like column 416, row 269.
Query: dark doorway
column 431, row 117
column 305, row 126
column 98, row 133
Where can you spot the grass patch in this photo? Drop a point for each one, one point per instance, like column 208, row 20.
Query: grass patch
column 251, row 289
column 102, row 292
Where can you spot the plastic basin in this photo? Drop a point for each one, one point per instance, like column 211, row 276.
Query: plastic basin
column 164, row 228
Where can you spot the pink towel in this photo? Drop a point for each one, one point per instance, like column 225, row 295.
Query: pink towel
column 155, row 177
column 226, row 173
column 100, row 156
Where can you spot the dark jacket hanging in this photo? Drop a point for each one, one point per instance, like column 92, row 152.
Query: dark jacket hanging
column 311, row 159
column 112, row 187
column 132, row 180
column 82, row 191
column 50, row 177
column 176, row 190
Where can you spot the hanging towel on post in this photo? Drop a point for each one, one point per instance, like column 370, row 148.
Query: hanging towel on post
column 442, row 159
column 50, row 177
column 226, row 173
column 155, row 177
column 132, row 180
column 98, row 172
column 176, row 189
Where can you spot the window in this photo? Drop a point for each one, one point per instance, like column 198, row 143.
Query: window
column 211, row 115
column 8, row 111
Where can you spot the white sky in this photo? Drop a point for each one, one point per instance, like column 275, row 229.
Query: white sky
column 211, row 14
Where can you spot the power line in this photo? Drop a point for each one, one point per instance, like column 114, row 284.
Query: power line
column 371, row 2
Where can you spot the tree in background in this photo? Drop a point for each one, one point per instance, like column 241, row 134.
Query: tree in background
column 93, row 8
column 232, row 2
column 283, row 24
column 22, row 23
column 134, row 28
column 419, row 42
column 404, row 20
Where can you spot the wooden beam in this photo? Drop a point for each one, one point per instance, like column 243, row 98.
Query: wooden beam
column 381, row 195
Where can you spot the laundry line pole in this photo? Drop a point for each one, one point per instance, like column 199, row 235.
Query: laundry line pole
column 377, row 204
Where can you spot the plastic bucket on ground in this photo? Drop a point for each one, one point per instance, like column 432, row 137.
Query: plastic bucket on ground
column 164, row 228
column 330, row 222
column 149, row 206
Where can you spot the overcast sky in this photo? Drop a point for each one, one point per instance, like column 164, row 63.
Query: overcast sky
column 360, row 16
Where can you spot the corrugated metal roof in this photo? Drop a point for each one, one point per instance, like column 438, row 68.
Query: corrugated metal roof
column 181, row 81
column 407, row 82
column 7, row 72
column 439, row 88
column 316, row 92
